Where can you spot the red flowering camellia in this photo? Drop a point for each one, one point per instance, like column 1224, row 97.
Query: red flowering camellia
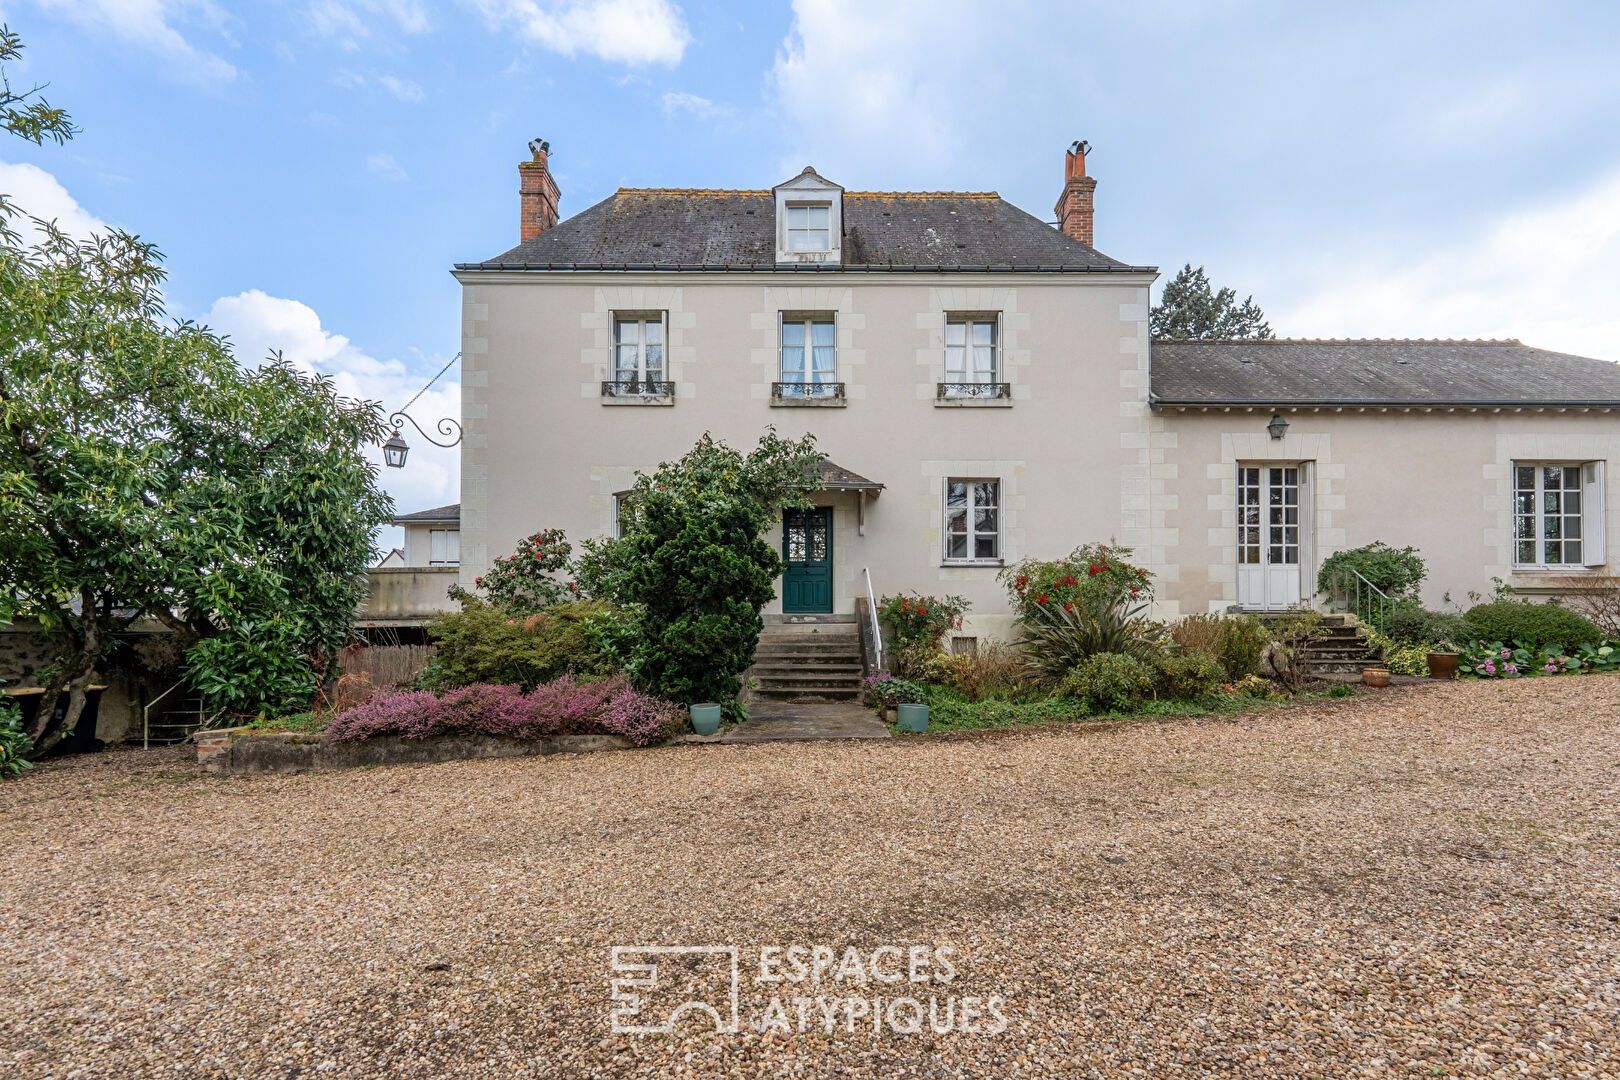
column 521, row 582
column 922, row 619
column 1089, row 576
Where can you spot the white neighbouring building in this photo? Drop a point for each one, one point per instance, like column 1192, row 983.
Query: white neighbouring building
column 985, row 388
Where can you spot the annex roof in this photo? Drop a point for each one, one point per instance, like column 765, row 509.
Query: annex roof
column 451, row 512
column 695, row 229
column 1277, row 372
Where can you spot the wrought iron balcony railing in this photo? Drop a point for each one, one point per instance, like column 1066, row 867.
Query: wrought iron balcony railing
column 793, row 392
column 637, row 388
column 975, row 390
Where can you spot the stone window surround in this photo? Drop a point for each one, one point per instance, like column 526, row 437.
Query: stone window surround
column 638, row 301
column 779, row 300
column 1498, row 477
column 1009, row 475
column 979, row 302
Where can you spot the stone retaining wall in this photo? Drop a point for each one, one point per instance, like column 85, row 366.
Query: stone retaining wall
column 240, row 752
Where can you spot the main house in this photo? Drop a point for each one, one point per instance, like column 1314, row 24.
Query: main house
column 984, row 388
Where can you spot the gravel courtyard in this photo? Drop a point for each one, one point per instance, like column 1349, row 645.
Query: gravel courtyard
column 1422, row 882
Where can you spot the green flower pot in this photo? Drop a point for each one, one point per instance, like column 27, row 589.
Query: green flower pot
column 913, row 718
column 706, row 718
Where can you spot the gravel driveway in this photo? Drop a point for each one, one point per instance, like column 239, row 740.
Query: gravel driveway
column 1422, row 882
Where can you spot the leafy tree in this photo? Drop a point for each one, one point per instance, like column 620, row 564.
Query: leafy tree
column 693, row 564
column 1189, row 308
column 27, row 114
column 143, row 474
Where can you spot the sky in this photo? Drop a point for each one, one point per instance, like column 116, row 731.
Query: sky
column 312, row 168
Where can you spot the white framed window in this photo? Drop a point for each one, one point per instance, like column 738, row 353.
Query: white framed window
column 809, row 355
column 809, row 227
column 1557, row 514
column 972, row 350
column 638, row 348
column 621, row 513
column 444, row 547
column 972, row 520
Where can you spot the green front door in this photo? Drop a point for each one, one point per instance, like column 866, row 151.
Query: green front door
column 807, row 550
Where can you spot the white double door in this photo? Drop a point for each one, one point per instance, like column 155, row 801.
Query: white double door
column 1274, row 541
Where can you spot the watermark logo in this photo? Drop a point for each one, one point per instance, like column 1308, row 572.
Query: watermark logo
column 670, row 981
column 797, row 988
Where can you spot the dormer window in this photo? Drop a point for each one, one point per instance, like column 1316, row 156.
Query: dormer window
column 809, row 228
column 809, row 219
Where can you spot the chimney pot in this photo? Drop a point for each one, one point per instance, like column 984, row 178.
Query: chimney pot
column 537, row 192
column 1075, row 205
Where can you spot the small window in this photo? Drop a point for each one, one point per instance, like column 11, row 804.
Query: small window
column 638, row 350
column 444, row 547
column 809, row 228
column 1557, row 514
column 964, row 646
column 621, row 513
column 809, row 355
column 972, row 520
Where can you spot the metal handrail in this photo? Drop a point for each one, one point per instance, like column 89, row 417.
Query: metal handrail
column 871, row 603
column 1368, row 598
column 146, row 715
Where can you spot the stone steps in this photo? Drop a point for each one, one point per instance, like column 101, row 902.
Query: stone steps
column 808, row 659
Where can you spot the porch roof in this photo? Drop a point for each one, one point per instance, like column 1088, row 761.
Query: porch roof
column 835, row 477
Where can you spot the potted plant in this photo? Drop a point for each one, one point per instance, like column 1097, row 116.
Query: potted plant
column 1443, row 661
column 1378, row 677
column 900, row 700
column 706, row 718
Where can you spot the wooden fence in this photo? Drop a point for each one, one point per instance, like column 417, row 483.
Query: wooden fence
column 386, row 665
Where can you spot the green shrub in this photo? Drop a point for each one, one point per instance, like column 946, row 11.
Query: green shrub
column 1188, row 676
column 1541, row 624
column 1057, row 639
column 884, row 692
column 1242, row 642
column 1397, row 571
column 1411, row 624
column 483, row 644
column 694, row 565
column 1403, row 658
column 1341, row 690
column 922, row 662
column 1109, row 682
column 14, row 742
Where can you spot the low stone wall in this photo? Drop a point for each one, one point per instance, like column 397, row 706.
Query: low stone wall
column 241, row 752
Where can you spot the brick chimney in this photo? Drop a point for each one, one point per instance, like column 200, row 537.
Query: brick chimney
column 1074, row 205
column 537, row 192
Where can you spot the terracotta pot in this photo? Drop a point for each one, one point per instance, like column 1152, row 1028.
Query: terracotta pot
column 1443, row 665
column 1375, row 677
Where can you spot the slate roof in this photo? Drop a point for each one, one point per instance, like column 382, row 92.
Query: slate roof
column 1280, row 372
column 695, row 229
column 438, row 513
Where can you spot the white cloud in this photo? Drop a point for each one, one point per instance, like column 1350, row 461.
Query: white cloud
column 36, row 193
column 1546, row 275
column 623, row 31
column 404, row 89
column 148, row 23
column 348, row 22
column 258, row 323
column 384, row 166
column 676, row 101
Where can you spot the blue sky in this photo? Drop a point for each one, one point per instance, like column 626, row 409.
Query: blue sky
column 311, row 169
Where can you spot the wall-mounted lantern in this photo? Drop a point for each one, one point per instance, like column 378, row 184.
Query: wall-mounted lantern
column 1278, row 426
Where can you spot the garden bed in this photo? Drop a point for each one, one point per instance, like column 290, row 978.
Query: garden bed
column 239, row 752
